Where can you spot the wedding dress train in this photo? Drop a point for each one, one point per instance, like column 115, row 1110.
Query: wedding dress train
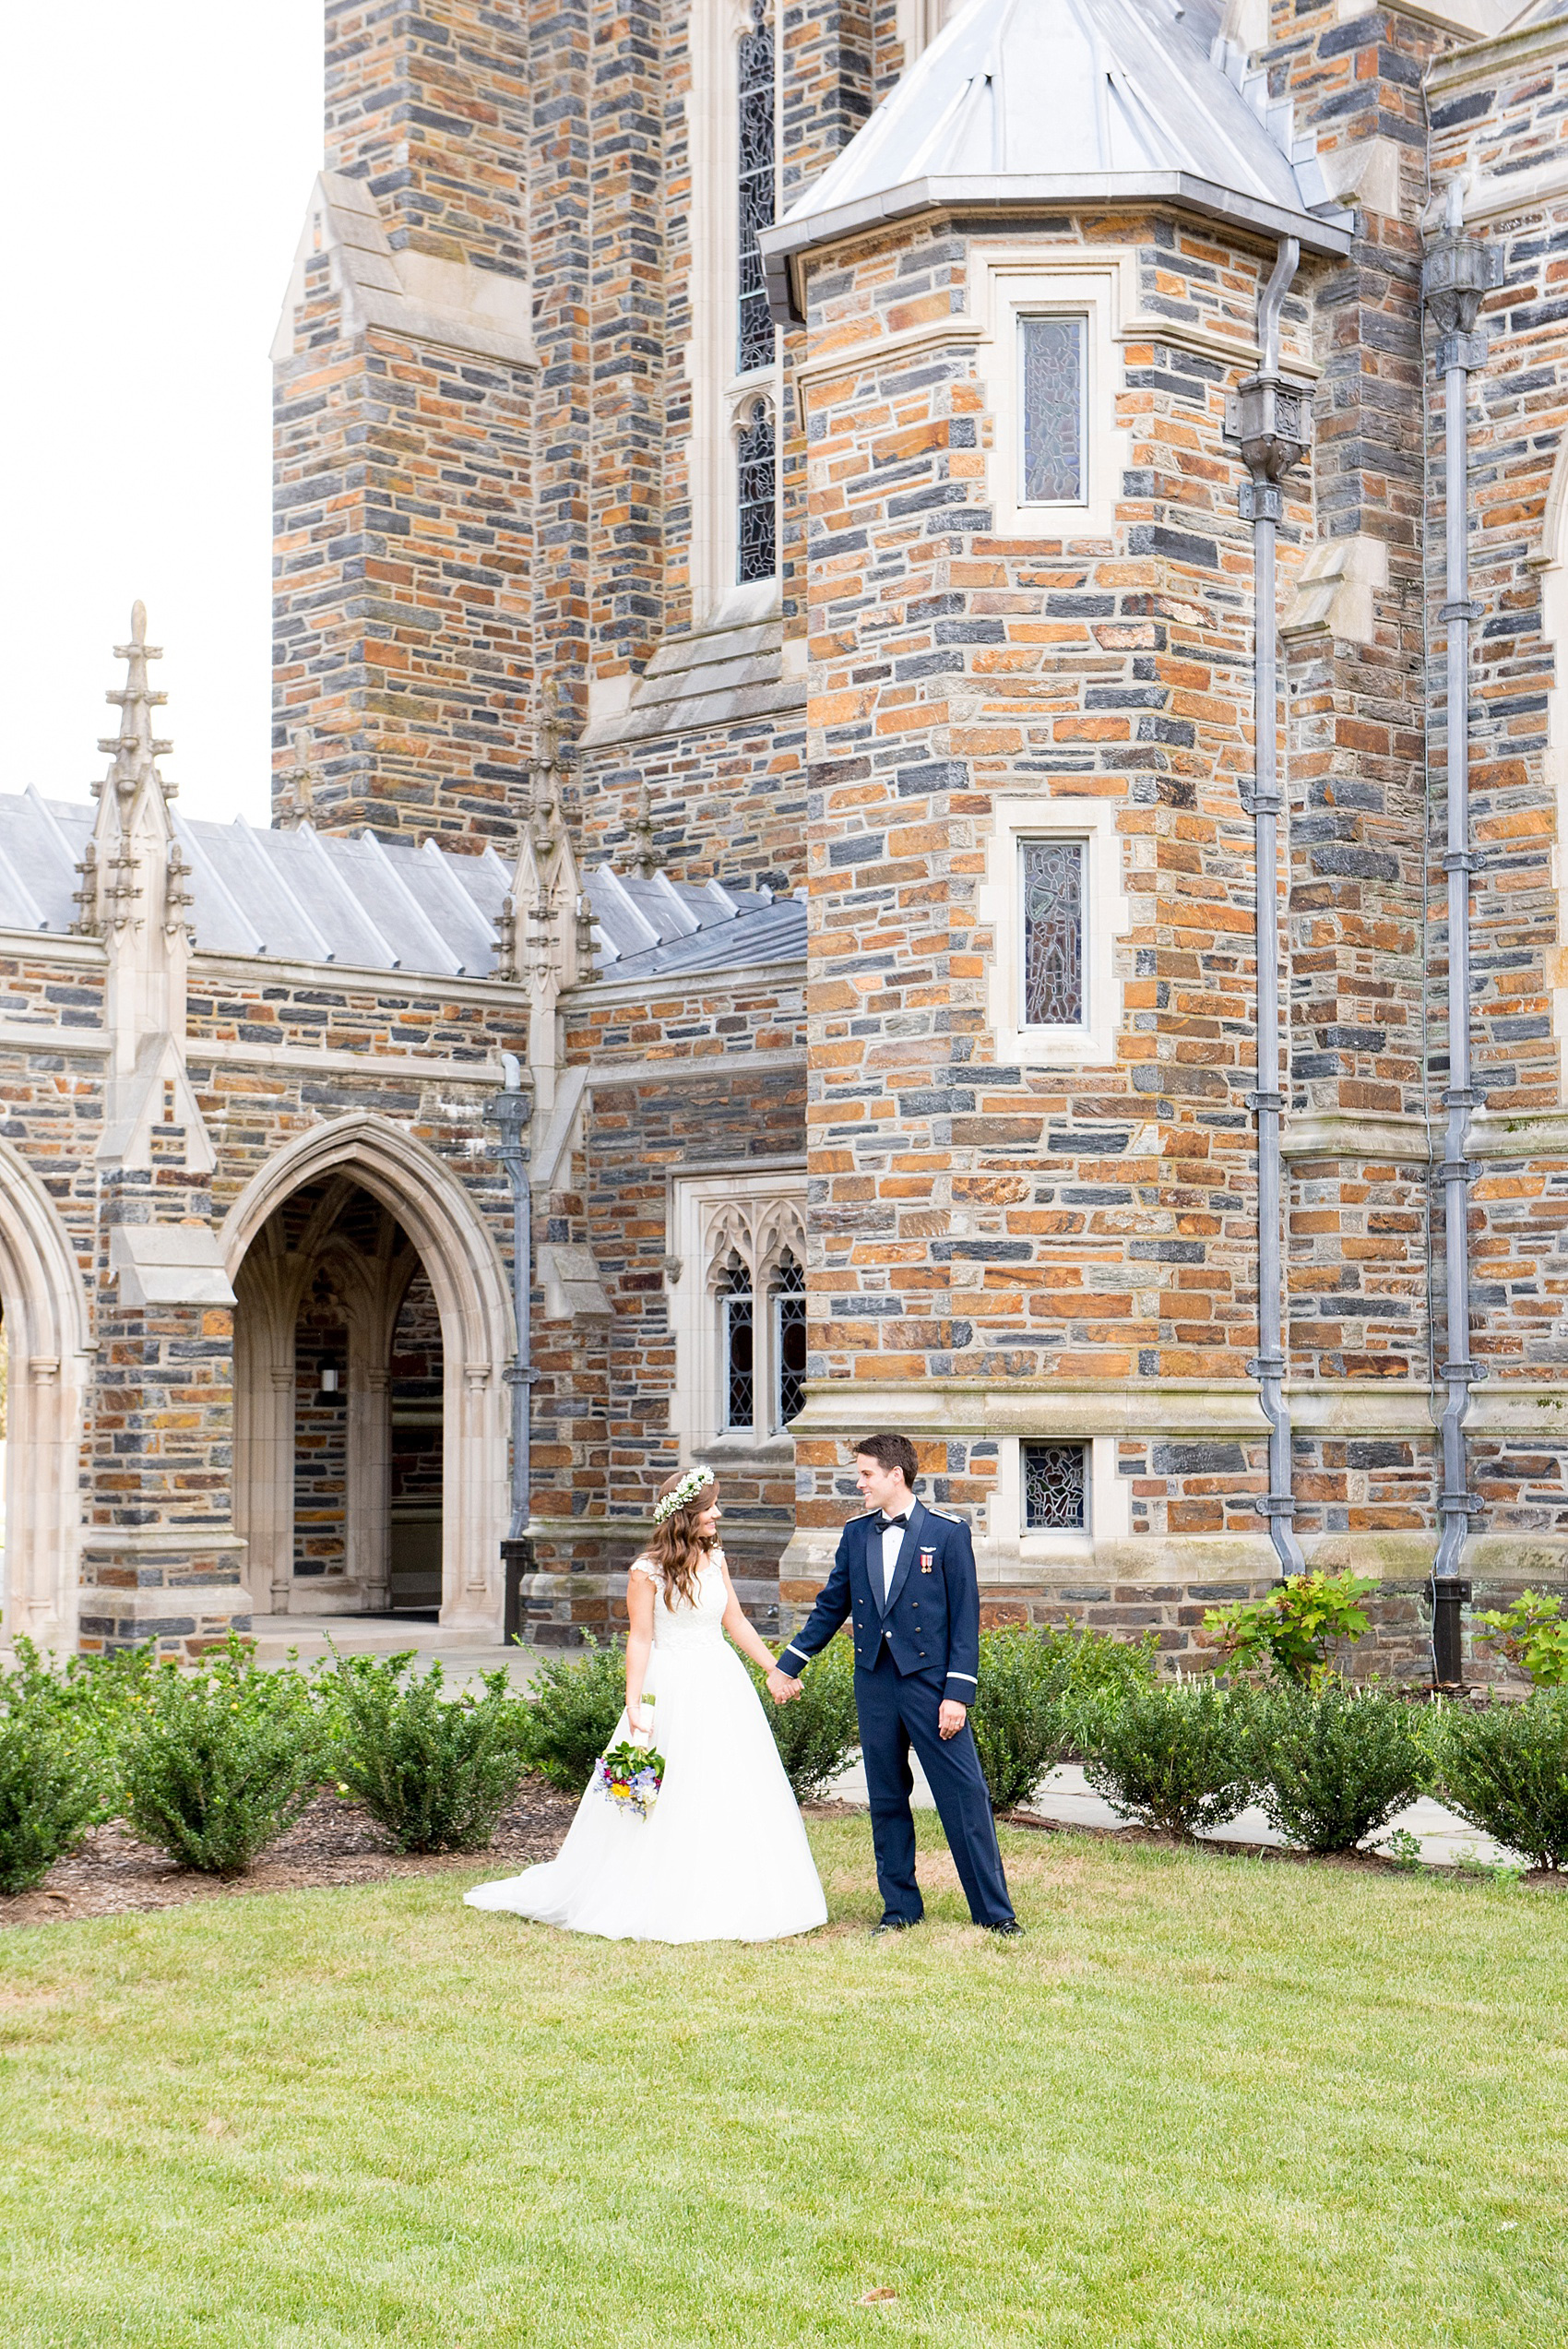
column 724, row 1855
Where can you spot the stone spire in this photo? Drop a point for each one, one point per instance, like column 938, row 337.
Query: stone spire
column 135, row 896
column 134, row 748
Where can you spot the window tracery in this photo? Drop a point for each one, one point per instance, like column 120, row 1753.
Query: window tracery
column 756, row 184
column 739, row 1313
column 755, row 496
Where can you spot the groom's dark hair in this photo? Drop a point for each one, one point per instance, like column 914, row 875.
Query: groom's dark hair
column 890, row 1451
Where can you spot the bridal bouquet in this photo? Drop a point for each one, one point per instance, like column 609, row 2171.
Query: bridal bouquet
column 629, row 1776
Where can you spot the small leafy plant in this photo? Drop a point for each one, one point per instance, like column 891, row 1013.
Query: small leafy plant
column 1179, row 1758
column 1531, row 1634
column 818, row 1733
column 435, row 1771
column 1032, row 1683
column 219, row 1762
column 573, row 1708
column 1505, row 1770
column 53, row 1788
column 1332, row 1765
column 1403, row 1849
column 1288, row 1634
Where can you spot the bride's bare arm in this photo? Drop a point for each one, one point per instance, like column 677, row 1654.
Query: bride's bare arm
column 640, row 1596
column 750, row 1641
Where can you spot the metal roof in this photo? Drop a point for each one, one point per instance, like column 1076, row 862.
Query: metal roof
column 298, row 896
column 649, row 926
column 1033, row 104
column 303, row 896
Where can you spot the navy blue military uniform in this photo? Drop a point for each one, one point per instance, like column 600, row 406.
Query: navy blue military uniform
column 912, row 1648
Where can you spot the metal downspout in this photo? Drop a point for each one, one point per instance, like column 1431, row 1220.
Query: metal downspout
column 1458, row 273
column 1269, row 423
column 510, row 1112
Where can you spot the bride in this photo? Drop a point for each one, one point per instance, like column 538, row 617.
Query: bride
column 724, row 1855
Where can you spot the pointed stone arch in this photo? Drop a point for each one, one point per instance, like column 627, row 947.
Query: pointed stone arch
column 45, row 1314
column 473, row 1301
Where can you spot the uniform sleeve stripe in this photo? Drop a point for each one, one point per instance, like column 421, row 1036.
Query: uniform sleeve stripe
column 792, row 1650
column 964, row 1675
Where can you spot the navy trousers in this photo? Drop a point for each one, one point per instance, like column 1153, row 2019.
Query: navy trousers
column 895, row 1712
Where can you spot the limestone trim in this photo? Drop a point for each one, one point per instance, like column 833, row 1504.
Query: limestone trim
column 1107, row 916
column 1144, row 1407
column 714, row 31
column 45, row 1311
column 352, row 978
column 1497, row 47
column 754, row 1216
column 474, row 1302
column 313, row 1060
column 417, row 297
column 1330, row 1133
column 1101, row 289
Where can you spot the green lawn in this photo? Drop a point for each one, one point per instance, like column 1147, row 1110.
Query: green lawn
column 1209, row 2099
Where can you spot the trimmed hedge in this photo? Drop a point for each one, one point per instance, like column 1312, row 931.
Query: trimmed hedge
column 818, row 1733
column 1333, row 1764
column 1505, row 1770
column 1177, row 1758
column 435, row 1771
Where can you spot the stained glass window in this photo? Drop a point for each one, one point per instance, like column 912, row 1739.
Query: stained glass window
column 753, row 325
column 757, row 539
column 789, row 1339
column 737, row 1307
column 1054, row 1488
column 1053, row 933
column 1051, row 407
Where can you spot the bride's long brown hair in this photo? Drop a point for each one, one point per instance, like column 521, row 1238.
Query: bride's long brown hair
column 677, row 1548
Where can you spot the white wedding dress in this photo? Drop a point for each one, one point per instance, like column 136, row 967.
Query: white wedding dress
column 723, row 1857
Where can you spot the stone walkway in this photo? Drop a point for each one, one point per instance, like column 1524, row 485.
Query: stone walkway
column 1066, row 1796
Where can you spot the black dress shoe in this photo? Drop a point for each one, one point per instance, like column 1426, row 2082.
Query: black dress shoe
column 1009, row 1926
column 895, row 1924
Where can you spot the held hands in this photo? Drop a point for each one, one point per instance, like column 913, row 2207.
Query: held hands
column 781, row 1687
column 951, row 1719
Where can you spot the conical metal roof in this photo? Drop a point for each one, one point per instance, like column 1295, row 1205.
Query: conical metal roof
column 1021, row 104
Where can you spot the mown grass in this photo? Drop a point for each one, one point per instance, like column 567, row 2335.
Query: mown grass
column 1209, row 2100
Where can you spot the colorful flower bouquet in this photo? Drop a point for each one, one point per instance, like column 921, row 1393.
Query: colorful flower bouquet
column 630, row 1776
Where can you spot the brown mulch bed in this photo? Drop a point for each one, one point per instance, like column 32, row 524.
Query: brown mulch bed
column 332, row 1842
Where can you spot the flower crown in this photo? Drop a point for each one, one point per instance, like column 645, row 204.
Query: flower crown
column 690, row 1485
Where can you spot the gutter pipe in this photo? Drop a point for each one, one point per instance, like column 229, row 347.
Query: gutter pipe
column 510, row 1110
column 1458, row 273
column 1269, row 420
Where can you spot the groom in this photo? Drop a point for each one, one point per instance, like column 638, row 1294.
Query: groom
column 906, row 1576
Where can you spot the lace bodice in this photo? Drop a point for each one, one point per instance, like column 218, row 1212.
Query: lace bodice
column 685, row 1627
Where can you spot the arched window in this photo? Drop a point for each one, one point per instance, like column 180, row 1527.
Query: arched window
column 756, row 182
column 789, row 1339
column 737, row 1308
column 755, row 496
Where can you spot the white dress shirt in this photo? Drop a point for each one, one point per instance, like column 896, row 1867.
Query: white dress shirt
column 892, row 1542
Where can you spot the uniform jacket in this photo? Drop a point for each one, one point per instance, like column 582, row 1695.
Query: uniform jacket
column 931, row 1617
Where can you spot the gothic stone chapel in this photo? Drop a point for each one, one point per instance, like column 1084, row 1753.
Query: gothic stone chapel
column 920, row 782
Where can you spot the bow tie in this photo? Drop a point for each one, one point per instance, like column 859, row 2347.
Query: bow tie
column 889, row 1523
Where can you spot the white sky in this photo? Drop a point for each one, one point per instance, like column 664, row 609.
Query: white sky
column 156, row 168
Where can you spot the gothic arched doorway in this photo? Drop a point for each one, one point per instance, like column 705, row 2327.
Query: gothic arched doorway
column 371, row 1328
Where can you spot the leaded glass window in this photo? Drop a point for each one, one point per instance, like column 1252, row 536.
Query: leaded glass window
column 789, row 1339
column 1052, row 877
column 757, row 547
column 1051, row 406
column 1055, row 1488
column 738, row 1331
column 754, row 326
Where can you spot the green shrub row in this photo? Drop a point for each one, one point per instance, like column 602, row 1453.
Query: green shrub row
column 212, row 1765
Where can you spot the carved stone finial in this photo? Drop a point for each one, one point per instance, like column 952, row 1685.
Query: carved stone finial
column 135, row 748
column 296, row 803
column 640, row 835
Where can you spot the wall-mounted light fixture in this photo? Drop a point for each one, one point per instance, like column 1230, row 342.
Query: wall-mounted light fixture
column 330, row 1389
